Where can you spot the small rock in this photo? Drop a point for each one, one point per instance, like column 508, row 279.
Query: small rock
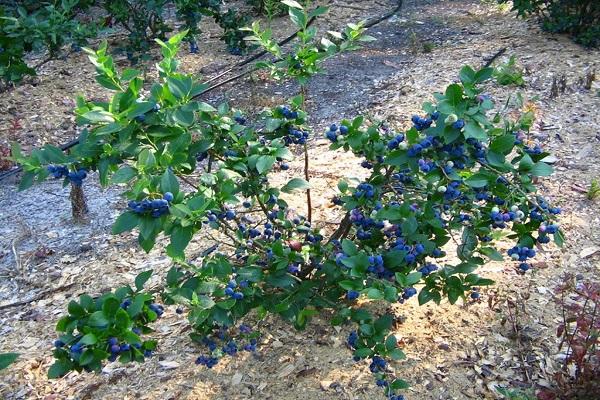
column 325, row 385
column 168, row 364
column 444, row 346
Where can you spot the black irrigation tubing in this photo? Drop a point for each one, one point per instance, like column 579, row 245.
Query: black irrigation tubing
column 493, row 58
column 367, row 25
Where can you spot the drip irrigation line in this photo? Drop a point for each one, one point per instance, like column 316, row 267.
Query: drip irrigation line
column 493, row 58
column 370, row 23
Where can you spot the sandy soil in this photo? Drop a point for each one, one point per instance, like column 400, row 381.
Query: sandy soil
column 454, row 352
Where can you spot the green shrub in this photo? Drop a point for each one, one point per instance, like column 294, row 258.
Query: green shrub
column 455, row 176
column 46, row 28
column 578, row 18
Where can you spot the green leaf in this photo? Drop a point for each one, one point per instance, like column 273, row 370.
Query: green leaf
column 123, row 175
column 413, row 278
column 136, row 305
column 526, row 163
column 295, row 184
column 454, row 94
column 409, row 226
column 397, row 158
column 468, row 245
column 59, row 368
column 125, row 222
column 374, row 294
column 484, row 74
column 292, row 4
column 265, row 163
column 467, row 74
column 142, row 278
column 399, row 384
column 183, row 118
column 397, row 354
column 541, row 169
column 492, row 253
column 349, row 247
column 180, row 87
column 169, row 182
column 98, row 116
column 139, row 109
column 6, row 359
column 110, row 306
column 474, row 130
column 98, row 319
column 90, row 338
column 363, row 352
column 180, row 238
column 478, row 180
column 503, row 144
column 87, row 357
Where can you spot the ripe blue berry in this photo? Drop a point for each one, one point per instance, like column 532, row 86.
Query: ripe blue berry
column 352, row 295
column 168, row 196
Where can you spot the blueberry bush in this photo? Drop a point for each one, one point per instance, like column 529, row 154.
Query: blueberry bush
column 41, row 28
column 145, row 21
column 33, row 27
column 460, row 179
column 578, row 18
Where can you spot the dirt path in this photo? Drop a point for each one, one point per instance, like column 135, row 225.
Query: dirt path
column 454, row 352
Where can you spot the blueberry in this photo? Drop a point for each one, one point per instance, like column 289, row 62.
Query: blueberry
column 112, row 341
column 229, row 214
column 168, row 196
column 352, row 295
column 58, row 343
column 333, row 128
column 247, row 204
column 125, row 347
column 115, row 349
column 459, row 124
column 238, row 296
column 343, row 129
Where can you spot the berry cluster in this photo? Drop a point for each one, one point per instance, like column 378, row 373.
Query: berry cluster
column 365, row 190
column 295, row 136
column 521, row 254
column 378, row 366
column 394, row 143
column 332, row 133
column 228, row 346
column 421, row 123
column 230, row 290
column 288, row 113
column 156, row 207
column 61, row 171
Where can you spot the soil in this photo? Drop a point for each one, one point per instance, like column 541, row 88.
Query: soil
column 457, row 351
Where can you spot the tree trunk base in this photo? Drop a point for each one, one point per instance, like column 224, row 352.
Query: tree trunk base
column 79, row 207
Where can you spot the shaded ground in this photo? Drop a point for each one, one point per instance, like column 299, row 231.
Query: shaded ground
column 454, row 352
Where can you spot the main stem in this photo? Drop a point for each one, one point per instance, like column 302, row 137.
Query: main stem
column 304, row 92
